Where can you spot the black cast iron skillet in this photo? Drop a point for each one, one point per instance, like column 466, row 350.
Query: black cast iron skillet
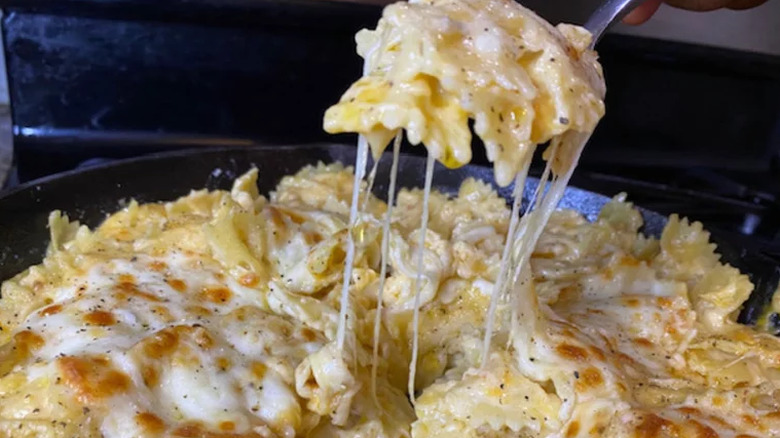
column 91, row 194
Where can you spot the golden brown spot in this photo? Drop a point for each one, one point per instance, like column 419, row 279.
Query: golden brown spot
column 150, row 375
column 150, row 423
column 743, row 336
column 703, row 431
column 51, row 310
column 597, row 353
column 176, row 284
column 100, row 317
column 312, row 238
column 308, row 334
column 632, row 302
column 276, row 218
column 294, row 217
column 572, row 352
column 625, row 359
column 628, row 260
column 543, row 255
column 653, row 426
column 719, row 421
column 718, row 401
column 223, row 363
column 689, row 411
column 26, row 342
column 196, row 430
column 663, row 302
column 198, row 310
column 203, row 338
column 573, row 429
column 126, row 278
column 227, row 426
column 590, row 378
column 643, row 342
column 572, row 52
column 259, row 369
column 752, row 421
column 92, row 378
column 123, row 234
column 129, row 289
column 161, row 343
column 217, row 294
column 607, row 273
column 158, row 266
column 189, row 431
column 569, row 293
column 163, row 313
column 774, row 415
column 249, row 280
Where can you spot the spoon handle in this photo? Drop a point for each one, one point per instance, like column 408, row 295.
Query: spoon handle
column 608, row 13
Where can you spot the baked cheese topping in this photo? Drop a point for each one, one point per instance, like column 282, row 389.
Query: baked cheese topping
column 216, row 316
column 433, row 65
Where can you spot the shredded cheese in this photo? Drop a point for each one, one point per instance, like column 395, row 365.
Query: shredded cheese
column 360, row 169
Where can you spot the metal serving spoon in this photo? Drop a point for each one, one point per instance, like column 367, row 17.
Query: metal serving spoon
column 608, row 13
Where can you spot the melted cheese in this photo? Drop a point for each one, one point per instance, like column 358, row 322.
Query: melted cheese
column 419, row 274
column 157, row 334
column 431, row 65
column 229, row 314
column 360, row 166
column 383, row 269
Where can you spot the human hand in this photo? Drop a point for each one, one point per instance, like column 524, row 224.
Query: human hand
column 648, row 8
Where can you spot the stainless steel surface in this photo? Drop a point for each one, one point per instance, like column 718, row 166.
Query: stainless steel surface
column 749, row 30
column 608, row 13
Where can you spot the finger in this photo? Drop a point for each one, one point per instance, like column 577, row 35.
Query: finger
column 643, row 12
column 745, row 4
column 699, row 5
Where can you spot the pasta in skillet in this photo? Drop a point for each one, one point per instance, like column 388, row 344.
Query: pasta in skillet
column 214, row 315
column 322, row 311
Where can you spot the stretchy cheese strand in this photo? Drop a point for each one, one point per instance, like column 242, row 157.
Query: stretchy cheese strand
column 383, row 268
column 360, row 171
column 418, row 279
column 498, row 288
